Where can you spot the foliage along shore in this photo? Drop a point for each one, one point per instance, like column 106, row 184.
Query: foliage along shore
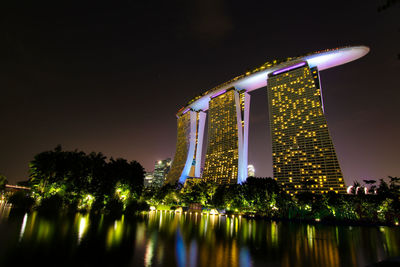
column 74, row 181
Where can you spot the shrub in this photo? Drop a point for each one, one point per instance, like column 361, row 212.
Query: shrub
column 51, row 205
column 135, row 207
column 21, row 200
column 114, row 207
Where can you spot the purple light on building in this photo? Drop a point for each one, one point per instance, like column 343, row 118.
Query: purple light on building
column 218, row 94
column 185, row 111
column 289, row 68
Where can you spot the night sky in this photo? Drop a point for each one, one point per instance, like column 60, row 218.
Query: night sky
column 110, row 76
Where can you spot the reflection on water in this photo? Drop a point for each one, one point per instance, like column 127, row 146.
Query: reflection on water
column 82, row 225
column 115, row 233
column 187, row 239
column 4, row 209
column 23, row 226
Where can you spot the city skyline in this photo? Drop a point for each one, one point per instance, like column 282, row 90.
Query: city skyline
column 110, row 78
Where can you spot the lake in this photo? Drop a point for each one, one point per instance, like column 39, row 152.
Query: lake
column 187, row 239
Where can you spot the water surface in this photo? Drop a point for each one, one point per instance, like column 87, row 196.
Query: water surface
column 169, row 239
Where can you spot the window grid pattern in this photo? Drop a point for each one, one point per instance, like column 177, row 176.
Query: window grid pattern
column 304, row 158
column 221, row 162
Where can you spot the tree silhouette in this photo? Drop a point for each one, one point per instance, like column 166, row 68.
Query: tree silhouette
column 372, row 187
column 76, row 175
column 3, row 182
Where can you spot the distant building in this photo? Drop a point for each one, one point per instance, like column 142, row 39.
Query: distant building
column 251, row 172
column 148, row 179
column 161, row 169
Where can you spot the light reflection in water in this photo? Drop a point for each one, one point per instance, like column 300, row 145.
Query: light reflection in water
column 310, row 235
column 179, row 239
column 274, row 234
column 337, row 234
column 23, row 226
column 82, row 226
column 245, row 259
column 115, row 233
column 231, row 226
column 160, row 253
column 149, row 254
column 140, row 233
column 180, row 249
column 5, row 209
column 193, row 253
column 249, row 231
column 205, row 225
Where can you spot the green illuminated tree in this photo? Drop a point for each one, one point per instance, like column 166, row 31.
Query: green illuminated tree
column 76, row 176
column 259, row 194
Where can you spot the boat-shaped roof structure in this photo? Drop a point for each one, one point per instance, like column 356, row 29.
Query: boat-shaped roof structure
column 257, row 78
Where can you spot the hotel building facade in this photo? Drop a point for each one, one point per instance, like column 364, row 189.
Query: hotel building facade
column 304, row 158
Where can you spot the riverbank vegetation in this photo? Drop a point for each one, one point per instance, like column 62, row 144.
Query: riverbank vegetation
column 262, row 197
column 75, row 181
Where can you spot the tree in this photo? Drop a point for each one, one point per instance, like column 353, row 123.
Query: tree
column 78, row 177
column 3, row 182
column 308, row 184
column 21, row 201
column 356, row 187
column 383, row 189
column 131, row 174
column 259, row 193
column 372, row 188
column 394, row 184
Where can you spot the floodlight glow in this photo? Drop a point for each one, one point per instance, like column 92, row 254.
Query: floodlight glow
column 349, row 189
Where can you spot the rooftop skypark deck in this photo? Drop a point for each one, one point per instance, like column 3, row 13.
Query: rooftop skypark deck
column 257, row 78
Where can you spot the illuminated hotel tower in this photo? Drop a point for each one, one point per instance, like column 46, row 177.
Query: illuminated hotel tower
column 189, row 144
column 226, row 157
column 304, row 157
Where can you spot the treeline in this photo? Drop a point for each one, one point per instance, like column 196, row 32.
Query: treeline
column 263, row 197
column 74, row 180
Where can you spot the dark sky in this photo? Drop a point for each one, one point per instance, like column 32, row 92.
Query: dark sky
column 110, row 76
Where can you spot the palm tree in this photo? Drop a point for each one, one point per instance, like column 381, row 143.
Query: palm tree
column 356, row 187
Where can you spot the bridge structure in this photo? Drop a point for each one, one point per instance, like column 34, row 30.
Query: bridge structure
column 304, row 157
